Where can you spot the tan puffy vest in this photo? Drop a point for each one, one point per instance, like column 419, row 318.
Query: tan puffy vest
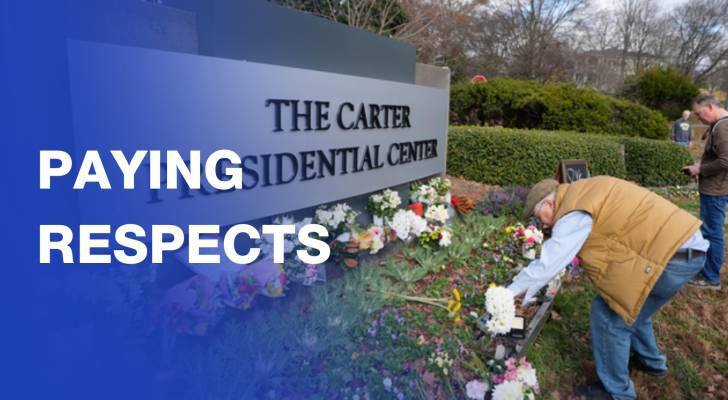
column 634, row 234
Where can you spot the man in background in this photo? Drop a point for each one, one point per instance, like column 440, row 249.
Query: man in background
column 682, row 130
column 713, row 185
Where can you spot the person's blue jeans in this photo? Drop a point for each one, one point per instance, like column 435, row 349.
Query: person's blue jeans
column 613, row 340
column 712, row 212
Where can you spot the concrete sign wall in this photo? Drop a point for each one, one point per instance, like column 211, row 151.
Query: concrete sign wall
column 306, row 137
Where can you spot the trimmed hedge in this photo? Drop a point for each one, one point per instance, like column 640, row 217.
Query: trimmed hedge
column 553, row 106
column 655, row 162
column 522, row 157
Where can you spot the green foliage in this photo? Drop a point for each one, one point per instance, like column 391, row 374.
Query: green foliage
column 554, row 106
column 664, row 89
column 691, row 383
column 655, row 162
column 523, row 157
column 506, row 156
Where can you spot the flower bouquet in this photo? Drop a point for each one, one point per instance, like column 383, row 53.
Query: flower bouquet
column 337, row 219
column 406, row 225
column 383, row 205
column 436, row 236
column 501, row 309
column 516, row 381
column 436, row 191
column 530, row 238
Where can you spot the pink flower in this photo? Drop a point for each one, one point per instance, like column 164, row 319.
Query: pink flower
column 531, row 240
column 576, row 261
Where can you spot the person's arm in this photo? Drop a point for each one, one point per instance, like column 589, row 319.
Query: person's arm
column 568, row 236
column 720, row 143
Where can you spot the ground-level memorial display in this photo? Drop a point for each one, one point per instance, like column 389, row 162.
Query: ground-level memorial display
column 207, row 116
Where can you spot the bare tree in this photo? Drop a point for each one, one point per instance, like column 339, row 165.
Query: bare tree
column 637, row 26
column 384, row 17
column 700, row 32
column 532, row 30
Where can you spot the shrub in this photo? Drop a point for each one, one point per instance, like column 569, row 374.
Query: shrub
column 522, row 157
column 513, row 157
column 556, row 106
column 664, row 89
column 655, row 162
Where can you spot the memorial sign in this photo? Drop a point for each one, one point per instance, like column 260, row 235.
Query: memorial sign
column 303, row 137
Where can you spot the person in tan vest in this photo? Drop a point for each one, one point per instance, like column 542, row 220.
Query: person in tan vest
column 637, row 248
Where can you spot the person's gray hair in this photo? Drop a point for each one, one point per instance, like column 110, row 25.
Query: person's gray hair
column 551, row 196
column 707, row 98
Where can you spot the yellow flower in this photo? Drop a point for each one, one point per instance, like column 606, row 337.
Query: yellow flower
column 492, row 285
column 456, row 292
column 509, row 229
column 421, row 340
column 457, row 307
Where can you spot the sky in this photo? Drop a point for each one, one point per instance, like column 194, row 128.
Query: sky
column 666, row 5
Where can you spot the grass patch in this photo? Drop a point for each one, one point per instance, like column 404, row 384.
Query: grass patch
column 690, row 205
column 563, row 345
column 688, row 376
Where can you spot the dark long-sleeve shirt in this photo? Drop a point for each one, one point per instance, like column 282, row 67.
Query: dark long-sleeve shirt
column 682, row 131
column 714, row 163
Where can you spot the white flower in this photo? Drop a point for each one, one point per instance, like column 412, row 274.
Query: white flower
column 387, row 384
column 437, row 214
column 400, row 223
column 446, row 238
column 508, row 391
column 476, row 390
column 377, row 198
column 391, row 199
column 283, row 220
column 288, row 246
column 499, row 304
column 337, row 215
column 417, row 224
column 406, row 223
column 527, row 376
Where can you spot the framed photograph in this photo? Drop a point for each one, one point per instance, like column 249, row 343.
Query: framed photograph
column 570, row 171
